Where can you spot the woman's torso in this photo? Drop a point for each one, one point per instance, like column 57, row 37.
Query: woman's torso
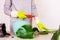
column 22, row 5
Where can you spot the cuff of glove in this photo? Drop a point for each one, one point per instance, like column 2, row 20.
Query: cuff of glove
column 14, row 13
column 37, row 20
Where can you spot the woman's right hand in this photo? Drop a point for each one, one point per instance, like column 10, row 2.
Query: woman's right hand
column 21, row 15
column 18, row 14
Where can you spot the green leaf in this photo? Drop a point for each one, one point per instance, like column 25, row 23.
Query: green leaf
column 56, row 35
column 25, row 32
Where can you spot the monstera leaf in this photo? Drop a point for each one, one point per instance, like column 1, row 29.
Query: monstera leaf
column 56, row 35
column 21, row 33
column 28, row 28
column 25, row 32
column 18, row 24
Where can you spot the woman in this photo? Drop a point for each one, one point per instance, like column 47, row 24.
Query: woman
column 27, row 6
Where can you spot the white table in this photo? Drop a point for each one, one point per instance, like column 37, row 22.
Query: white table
column 40, row 37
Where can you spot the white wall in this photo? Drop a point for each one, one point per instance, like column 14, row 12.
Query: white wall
column 48, row 10
column 3, row 17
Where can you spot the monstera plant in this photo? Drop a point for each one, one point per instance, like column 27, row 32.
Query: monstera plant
column 56, row 35
column 25, row 32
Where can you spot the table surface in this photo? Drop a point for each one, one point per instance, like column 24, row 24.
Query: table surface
column 39, row 37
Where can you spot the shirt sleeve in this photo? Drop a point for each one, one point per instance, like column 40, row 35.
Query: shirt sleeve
column 33, row 8
column 7, row 7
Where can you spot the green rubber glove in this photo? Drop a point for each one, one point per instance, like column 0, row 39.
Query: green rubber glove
column 18, row 14
column 40, row 25
column 21, row 15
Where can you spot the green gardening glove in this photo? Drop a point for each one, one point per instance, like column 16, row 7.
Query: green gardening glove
column 21, row 15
